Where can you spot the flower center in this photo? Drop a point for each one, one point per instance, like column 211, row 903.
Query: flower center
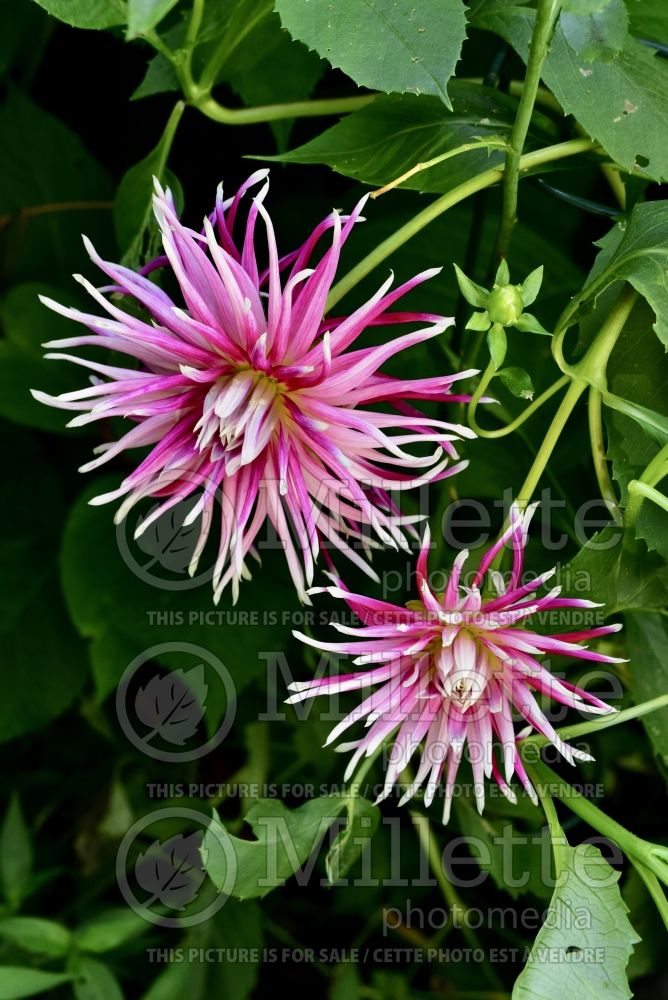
column 241, row 412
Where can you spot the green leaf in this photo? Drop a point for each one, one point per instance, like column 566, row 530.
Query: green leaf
column 393, row 134
column 42, row 937
column 15, row 855
column 596, row 34
column 117, row 609
column 94, row 980
column 654, row 423
column 474, row 294
column 52, row 190
column 286, row 838
column 17, row 982
column 42, row 669
column 288, row 72
column 87, row 13
column 26, row 325
column 478, row 321
column 145, row 14
column 619, row 571
column 647, row 639
column 622, row 103
column 361, row 824
column 498, row 345
column 529, row 324
column 531, row 286
column 394, row 47
column 641, row 258
column 160, row 78
column 597, row 926
column 502, row 276
column 133, row 205
column 517, row 381
column 109, row 929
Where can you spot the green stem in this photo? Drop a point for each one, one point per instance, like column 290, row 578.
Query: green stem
column 649, row 854
column 518, row 421
column 604, row 721
column 557, row 835
column 653, row 886
column 592, row 366
column 431, row 850
column 486, row 179
column 598, row 448
column 278, row 112
column 546, row 16
column 639, row 491
column 566, row 407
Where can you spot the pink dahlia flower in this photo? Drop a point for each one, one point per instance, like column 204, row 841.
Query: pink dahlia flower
column 452, row 667
column 243, row 391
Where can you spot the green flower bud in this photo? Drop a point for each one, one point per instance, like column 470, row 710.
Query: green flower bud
column 505, row 304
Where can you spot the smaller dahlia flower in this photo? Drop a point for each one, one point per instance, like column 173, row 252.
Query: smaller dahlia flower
column 246, row 395
column 452, row 667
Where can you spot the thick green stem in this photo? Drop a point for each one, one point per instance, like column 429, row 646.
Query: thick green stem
column 593, row 365
column 546, row 16
column 278, row 112
column 643, row 488
column 566, row 407
column 637, row 849
column 598, row 448
column 604, row 721
column 486, row 179
column 557, row 835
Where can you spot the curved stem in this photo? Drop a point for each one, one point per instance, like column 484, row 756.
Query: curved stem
column 557, row 835
column 598, row 448
column 603, row 721
column 537, row 158
column 519, row 420
column 639, row 491
column 277, row 112
column 636, row 848
column 653, row 887
column 592, row 366
column 546, row 16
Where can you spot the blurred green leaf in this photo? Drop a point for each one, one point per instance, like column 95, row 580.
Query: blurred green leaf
column 26, row 324
column 647, row 638
column 33, row 934
column 15, row 854
column 420, row 42
column 94, row 981
column 109, row 929
column 52, row 190
column 17, row 982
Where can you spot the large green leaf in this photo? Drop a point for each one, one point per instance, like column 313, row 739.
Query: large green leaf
column 583, row 948
column 111, row 605
column 26, row 325
column 17, row 982
column 622, row 102
column 393, row 134
column 87, row 13
column 410, row 45
column 286, row 838
column 52, row 190
column 43, row 668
